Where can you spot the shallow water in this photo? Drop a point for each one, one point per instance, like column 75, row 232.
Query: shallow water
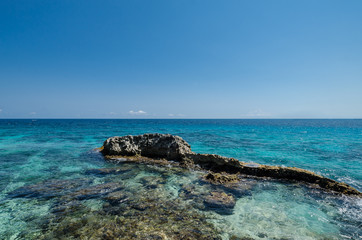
column 49, row 191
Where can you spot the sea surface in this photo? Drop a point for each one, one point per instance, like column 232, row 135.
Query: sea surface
column 50, row 187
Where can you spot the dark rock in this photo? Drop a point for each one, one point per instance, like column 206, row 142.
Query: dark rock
column 239, row 189
column 262, row 235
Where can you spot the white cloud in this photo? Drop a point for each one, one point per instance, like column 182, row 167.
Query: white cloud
column 176, row 115
column 32, row 113
column 257, row 114
column 139, row 112
column 1, row 110
column 112, row 113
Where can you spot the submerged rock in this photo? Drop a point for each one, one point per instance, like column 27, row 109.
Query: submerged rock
column 152, row 181
column 231, row 183
column 233, row 237
column 95, row 191
column 61, row 209
column 160, row 148
column 116, row 197
column 220, row 199
column 106, row 171
column 48, row 189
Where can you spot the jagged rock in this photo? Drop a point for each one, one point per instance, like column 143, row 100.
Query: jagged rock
column 165, row 147
column 148, row 145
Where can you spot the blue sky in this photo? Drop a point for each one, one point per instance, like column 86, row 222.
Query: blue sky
column 181, row 59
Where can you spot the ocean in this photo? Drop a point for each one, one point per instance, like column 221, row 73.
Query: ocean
column 50, row 186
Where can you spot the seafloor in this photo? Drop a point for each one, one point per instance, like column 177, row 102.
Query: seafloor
column 134, row 201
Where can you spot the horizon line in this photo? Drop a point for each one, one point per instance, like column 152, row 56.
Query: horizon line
column 180, row 118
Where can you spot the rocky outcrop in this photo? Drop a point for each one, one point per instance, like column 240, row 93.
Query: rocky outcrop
column 164, row 147
column 148, row 145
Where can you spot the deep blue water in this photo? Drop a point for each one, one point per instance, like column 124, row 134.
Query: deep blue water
column 35, row 150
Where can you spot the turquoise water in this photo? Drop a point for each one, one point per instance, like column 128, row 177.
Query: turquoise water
column 37, row 151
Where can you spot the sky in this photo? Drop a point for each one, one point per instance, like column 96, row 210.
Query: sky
column 181, row 59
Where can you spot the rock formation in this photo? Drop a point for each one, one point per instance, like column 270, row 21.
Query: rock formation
column 163, row 148
column 148, row 145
